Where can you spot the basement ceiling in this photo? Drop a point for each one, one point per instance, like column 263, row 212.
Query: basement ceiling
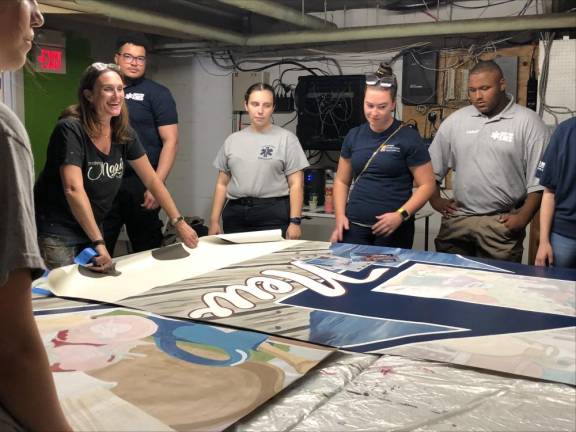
column 246, row 26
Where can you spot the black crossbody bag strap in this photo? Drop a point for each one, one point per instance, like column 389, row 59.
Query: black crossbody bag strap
column 379, row 149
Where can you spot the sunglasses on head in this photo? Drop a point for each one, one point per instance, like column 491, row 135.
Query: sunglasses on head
column 383, row 81
column 103, row 66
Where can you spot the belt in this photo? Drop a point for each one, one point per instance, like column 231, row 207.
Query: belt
column 250, row 201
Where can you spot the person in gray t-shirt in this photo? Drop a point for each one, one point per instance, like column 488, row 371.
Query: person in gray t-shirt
column 260, row 180
column 493, row 146
column 27, row 389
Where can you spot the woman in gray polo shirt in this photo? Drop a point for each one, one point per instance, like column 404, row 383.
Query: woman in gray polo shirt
column 260, row 179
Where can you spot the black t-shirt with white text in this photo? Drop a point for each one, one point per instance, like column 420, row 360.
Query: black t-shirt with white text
column 101, row 173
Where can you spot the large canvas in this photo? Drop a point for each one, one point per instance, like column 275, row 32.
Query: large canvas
column 119, row 369
column 137, row 273
column 504, row 317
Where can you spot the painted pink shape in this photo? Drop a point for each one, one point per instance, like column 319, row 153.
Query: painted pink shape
column 80, row 358
column 107, row 330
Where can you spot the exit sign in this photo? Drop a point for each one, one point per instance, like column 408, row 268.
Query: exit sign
column 49, row 59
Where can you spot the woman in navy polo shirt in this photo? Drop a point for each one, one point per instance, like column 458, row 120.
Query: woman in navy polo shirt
column 385, row 159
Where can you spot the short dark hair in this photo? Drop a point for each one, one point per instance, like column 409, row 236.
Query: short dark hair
column 133, row 39
column 260, row 87
column 487, row 66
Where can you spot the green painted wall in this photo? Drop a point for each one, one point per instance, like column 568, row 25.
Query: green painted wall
column 46, row 95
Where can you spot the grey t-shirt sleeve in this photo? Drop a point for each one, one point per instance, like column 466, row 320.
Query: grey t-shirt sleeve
column 295, row 158
column 18, row 240
column 440, row 151
column 221, row 160
column 536, row 140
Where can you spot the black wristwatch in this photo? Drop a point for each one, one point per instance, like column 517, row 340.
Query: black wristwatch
column 296, row 220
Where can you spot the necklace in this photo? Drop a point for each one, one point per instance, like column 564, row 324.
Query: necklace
column 100, row 137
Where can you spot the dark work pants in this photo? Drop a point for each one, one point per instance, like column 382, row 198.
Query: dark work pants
column 403, row 237
column 266, row 214
column 143, row 226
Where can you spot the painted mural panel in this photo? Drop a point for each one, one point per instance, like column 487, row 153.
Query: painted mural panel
column 369, row 299
column 120, row 369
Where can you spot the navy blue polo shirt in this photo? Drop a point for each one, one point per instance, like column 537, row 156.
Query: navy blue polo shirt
column 150, row 106
column 557, row 172
column 387, row 182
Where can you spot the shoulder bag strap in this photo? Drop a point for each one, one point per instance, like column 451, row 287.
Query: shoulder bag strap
column 380, row 147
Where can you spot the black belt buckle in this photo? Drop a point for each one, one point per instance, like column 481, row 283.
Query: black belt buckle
column 245, row 201
column 251, row 201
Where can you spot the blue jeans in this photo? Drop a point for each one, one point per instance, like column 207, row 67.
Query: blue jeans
column 59, row 251
column 564, row 250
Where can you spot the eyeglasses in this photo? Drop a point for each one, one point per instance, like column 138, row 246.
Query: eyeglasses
column 103, row 66
column 383, row 81
column 129, row 58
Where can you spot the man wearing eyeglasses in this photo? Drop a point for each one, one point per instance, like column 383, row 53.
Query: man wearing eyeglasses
column 154, row 117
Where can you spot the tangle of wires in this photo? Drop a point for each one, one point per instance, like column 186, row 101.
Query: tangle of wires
column 554, row 111
column 463, row 57
column 299, row 65
column 489, row 4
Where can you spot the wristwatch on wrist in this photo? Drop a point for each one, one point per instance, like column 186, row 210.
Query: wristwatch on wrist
column 296, row 220
column 174, row 221
column 404, row 213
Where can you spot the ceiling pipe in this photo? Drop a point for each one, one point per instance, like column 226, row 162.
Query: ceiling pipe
column 281, row 13
column 66, row 6
column 46, row 10
column 441, row 28
column 150, row 19
column 205, row 9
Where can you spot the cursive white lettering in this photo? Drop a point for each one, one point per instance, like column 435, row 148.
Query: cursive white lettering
column 262, row 287
column 97, row 170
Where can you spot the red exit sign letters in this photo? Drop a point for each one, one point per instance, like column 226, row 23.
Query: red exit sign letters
column 50, row 60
